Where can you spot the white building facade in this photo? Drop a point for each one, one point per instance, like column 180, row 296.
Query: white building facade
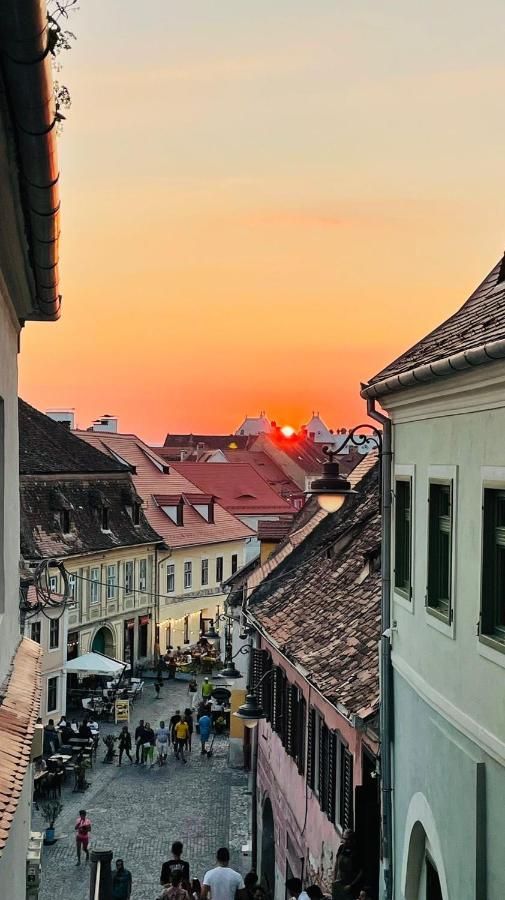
column 446, row 400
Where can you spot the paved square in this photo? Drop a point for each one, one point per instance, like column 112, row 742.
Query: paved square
column 138, row 812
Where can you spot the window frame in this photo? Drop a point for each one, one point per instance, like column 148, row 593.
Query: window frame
column 54, row 627
column 403, row 518
column 219, row 569
column 204, row 571
column 170, row 573
column 105, row 519
column 142, row 575
column 188, row 574
column 492, row 636
column 37, row 626
column 52, row 681
column 111, row 584
column 436, row 618
column 94, row 585
column 129, row 579
column 234, row 563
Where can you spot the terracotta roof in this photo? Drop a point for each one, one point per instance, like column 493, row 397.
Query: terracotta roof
column 237, row 486
column 479, row 321
column 48, row 448
column 151, row 481
column 19, row 707
column 273, row 531
column 321, row 607
column 282, row 484
column 307, row 455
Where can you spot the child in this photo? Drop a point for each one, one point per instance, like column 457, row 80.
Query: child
column 82, row 831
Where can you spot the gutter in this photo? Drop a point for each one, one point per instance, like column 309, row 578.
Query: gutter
column 26, row 66
column 441, row 368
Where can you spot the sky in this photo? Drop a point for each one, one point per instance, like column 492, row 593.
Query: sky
column 264, row 203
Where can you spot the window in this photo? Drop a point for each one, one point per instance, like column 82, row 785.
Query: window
column 440, row 549
column 187, row 575
column 170, row 579
column 128, row 577
column 111, row 582
column 64, row 520
column 54, row 634
column 52, row 694
column 94, row 585
column 234, row 563
column 205, row 572
column 105, row 519
column 35, row 632
column 219, row 569
column 136, row 514
column 346, row 789
column 71, row 586
column 143, row 574
column 53, row 584
column 493, row 565
column 403, row 537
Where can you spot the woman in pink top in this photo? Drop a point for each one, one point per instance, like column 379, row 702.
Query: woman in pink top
column 82, row 830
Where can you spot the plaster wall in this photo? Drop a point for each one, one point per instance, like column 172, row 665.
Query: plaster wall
column 13, row 858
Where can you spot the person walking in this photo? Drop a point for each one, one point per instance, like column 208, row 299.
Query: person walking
column 204, row 725
column 188, row 715
column 162, row 742
column 207, row 689
column 139, row 741
column 181, row 737
column 125, row 744
column 121, row 882
column 223, row 883
column 176, row 864
column 82, row 832
column 193, row 692
column 149, row 744
column 175, row 890
column 173, row 722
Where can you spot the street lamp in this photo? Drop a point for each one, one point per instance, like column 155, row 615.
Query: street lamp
column 230, row 670
column 251, row 712
column 332, row 488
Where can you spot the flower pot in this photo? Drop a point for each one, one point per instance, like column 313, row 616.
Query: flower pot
column 49, row 837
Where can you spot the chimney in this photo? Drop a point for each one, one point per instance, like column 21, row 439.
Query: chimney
column 65, row 417
column 105, row 423
column 200, row 449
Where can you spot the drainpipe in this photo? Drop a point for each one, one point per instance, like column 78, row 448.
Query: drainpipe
column 386, row 673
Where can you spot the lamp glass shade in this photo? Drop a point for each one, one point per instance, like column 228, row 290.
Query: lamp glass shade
column 230, row 671
column 250, row 712
column 331, row 502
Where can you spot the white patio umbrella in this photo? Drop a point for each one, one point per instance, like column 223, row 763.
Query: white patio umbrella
column 95, row 664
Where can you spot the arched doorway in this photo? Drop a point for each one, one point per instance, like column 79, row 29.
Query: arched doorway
column 103, row 642
column 268, row 848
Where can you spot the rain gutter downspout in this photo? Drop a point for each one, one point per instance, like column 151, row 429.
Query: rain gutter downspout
column 386, row 674
column 25, row 60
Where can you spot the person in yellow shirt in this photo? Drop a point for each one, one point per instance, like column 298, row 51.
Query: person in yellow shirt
column 181, row 730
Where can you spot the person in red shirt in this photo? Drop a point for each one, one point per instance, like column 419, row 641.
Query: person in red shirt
column 82, row 830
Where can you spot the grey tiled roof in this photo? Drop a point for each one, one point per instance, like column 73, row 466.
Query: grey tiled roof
column 479, row 321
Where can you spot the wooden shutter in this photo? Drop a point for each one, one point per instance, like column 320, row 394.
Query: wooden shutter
column 268, row 686
column 346, row 788
column 323, row 765
column 291, row 709
column 300, row 736
column 311, row 740
column 257, row 673
column 332, row 776
column 277, row 700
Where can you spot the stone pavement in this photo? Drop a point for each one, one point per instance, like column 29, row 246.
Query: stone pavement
column 138, row 812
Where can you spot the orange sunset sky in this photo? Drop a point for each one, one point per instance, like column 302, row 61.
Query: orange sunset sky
column 264, row 202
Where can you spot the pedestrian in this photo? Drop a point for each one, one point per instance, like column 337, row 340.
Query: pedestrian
column 175, row 890
column 188, row 715
column 121, row 882
column 125, row 744
column 139, row 741
column 314, row 892
column 193, row 692
column 157, row 686
column 205, row 725
column 250, row 881
column 173, row 722
column 176, row 864
column 196, row 889
column 181, row 736
column 207, row 689
column 162, row 742
column 222, row 882
column 295, row 889
column 82, row 832
column 365, row 894
column 51, row 739
column 348, row 870
column 85, row 730
column 148, row 745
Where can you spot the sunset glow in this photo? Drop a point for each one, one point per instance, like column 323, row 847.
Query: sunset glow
column 288, row 431
column 255, row 199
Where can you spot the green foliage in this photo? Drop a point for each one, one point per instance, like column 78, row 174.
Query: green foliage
column 50, row 810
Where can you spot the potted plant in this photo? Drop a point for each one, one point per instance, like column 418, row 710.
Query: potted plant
column 50, row 810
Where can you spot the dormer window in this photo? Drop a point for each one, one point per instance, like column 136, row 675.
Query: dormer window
column 105, row 519
column 175, row 512
column 136, row 514
column 63, row 520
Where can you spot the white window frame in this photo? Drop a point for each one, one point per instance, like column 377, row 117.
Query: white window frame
column 94, row 585
column 204, row 571
column 53, row 584
column 404, row 472
column 188, row 571
column 39, row 623
column 492, row 477
column 171, row 575
column 72, row 583
column 129, row 578
column 55, row 707
column 142, row 574
column 443, row 475
column 219, row 580
column 111, row 582
column 56, row 646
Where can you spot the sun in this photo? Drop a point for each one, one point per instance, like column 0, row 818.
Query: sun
column 287, row 431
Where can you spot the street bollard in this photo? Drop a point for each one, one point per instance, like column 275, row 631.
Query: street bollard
column 100, row 878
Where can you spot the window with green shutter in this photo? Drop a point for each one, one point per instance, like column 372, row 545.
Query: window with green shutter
column 403, row 536
column 493, row 566
column 440, row 550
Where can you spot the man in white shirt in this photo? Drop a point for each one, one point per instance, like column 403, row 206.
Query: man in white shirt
column 223, row 883
column 295, row 889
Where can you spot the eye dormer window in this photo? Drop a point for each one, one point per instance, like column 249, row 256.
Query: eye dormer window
column 105, row 519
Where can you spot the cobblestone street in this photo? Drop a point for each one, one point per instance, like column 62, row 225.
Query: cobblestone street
column 138, row 812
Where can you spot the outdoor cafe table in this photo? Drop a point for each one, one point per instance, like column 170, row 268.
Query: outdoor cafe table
column 60, row 757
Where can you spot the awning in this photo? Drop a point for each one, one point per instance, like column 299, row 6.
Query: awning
column 95, row 664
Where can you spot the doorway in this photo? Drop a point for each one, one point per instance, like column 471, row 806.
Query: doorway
column 103, row 642
column 267, row 874
column 368, row 824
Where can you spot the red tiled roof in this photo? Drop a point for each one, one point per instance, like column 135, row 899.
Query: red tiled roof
column 19, row 707
column 273, row 531
column 306, row 454
column 150, row 481
column 237, row 486
column 282, row 484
